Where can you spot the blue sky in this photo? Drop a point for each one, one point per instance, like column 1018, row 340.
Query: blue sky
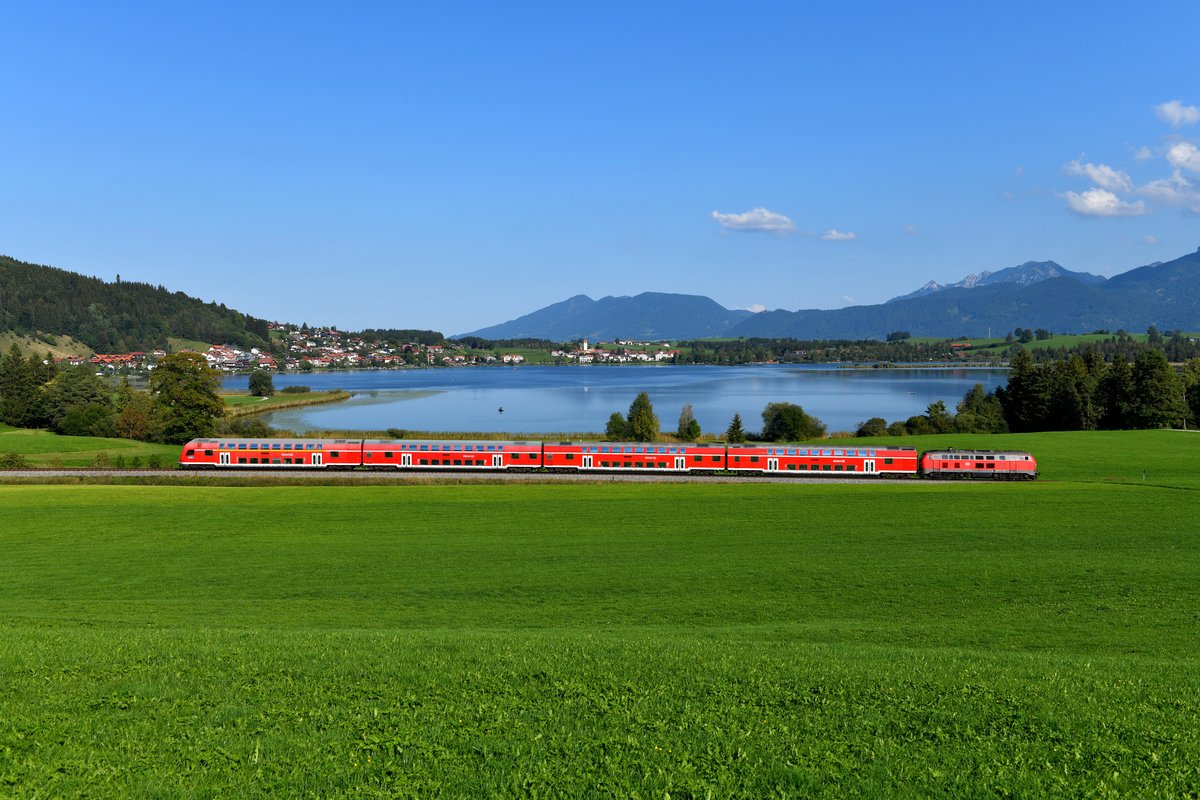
column 455, row 166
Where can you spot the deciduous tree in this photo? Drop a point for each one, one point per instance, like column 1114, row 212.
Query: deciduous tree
column 261, row 384
column 186, row 404
column 689, row 428
column 788, row 422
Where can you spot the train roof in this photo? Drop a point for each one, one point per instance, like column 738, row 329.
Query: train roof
column 213, row 440
column 514, row 443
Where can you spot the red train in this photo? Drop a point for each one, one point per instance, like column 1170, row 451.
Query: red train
column 824, row 460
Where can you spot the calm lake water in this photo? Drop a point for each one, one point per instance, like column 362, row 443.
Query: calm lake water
column 581, row 398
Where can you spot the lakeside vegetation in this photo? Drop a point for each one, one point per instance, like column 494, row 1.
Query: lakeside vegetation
column 240, row 405
column 550, row 640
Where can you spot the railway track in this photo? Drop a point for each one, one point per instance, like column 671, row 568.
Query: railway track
column 426, row 477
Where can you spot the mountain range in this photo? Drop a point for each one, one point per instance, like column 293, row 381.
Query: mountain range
column 1034, row 294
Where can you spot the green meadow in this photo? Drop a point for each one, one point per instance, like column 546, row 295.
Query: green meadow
column 41, row 448
column 613, row 640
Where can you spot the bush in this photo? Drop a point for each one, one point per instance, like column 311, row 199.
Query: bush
column 102, row 461
column 154, row 461
column 13, row 461
column 395, row 433
column 295, row 390
column 875, row 426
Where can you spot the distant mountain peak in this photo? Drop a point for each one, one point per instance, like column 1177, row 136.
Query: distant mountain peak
column 1026, row 274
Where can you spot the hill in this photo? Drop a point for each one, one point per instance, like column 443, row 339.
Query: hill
column 113, row 317
column 650, row 315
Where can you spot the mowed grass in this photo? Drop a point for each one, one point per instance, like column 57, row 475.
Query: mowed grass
column 45, row 449
column 611, row 640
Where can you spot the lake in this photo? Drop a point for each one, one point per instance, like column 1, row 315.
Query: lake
column 581, row 398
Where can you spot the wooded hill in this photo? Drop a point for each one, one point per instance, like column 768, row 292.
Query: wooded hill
column 114, row 317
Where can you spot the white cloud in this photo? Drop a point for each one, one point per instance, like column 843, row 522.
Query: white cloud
column 1177, row 113
column 1184, row 154
column 911, row 230
column 1143, row 153
column 1103, row 203
column 757, row 308
column 1150, row 238
column 1019, row 172
column 1176, row 190
column 847, row 298
column 834, row 235
column 1102, row 175
column 756, row 219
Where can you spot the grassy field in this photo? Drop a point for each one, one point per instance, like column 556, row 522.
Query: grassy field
column 237, row 405
column 612, row 640
column 45, row 449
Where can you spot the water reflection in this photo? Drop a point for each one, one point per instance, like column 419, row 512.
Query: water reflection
column 581, row 398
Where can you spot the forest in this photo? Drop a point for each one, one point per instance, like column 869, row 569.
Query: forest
column 114, row 317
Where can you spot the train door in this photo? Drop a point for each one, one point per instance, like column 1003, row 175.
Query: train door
column 869, row 467
column 316, row 459
column 497, row 460
column 772, row 465
column 587, row 462
column 406, row 459
column 681, row 463
column 224, row 459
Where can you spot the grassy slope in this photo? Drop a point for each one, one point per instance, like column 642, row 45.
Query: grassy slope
column 554, row 640
column 46, row 449
column 64, row 345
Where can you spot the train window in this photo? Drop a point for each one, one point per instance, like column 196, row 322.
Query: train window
column 637, row 449
column 716, row 459
column 791, row 466
column 387, row 455
column 241, row 446
column 888, row 460
column 804, row 467
column 423, row 461
column 825, row 467
column 424, row 447
column 753, row 459
column 570, row 456
column 457, row 448
column 849, row 468
column 241, row 460
column 837, row 468
column 276, row 446
column 208, row 452
column 457, row 462
column 737, row 458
